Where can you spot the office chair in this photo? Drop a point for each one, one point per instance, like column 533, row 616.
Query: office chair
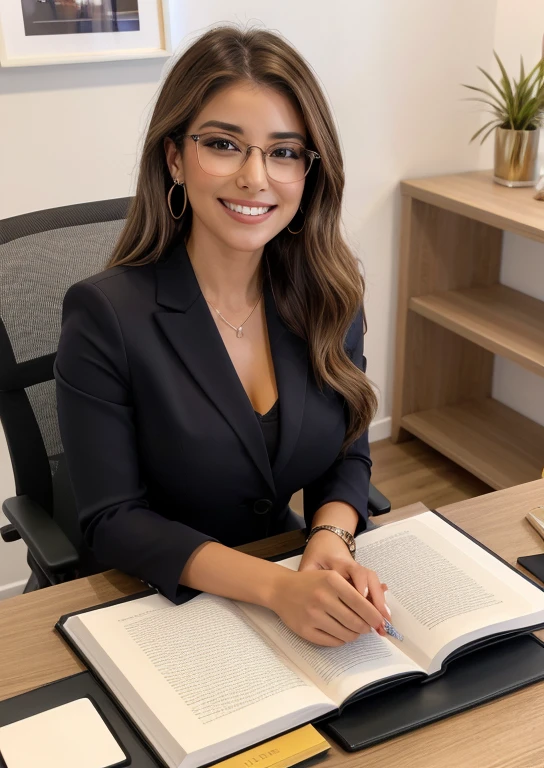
column 41, row 255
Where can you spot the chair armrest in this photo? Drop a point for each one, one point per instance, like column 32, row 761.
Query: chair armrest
column 46, row 541
column 9, row 533
column 378, row 504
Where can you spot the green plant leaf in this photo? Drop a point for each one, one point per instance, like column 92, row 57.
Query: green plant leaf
column 527, row 87
column 487, row 134
column 497, row 86
column 527, row 113
column 509, row 96
column 487, row 93
column 532, row 113
column 493, row 111
column 522, row 85
column 532, row 88
column 518, row 105
column 495, row 122
column 500, row 118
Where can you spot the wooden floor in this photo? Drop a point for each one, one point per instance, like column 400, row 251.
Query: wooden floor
column 412, row 471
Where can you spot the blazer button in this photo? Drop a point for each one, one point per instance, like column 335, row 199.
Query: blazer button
column 262, row 506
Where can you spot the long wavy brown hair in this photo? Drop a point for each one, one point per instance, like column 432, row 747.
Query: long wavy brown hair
column 317, row 283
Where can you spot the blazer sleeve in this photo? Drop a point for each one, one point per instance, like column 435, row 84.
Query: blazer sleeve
column 348, row 478
column 98, row 431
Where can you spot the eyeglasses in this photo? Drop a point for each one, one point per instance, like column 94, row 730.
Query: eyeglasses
column 220, row 155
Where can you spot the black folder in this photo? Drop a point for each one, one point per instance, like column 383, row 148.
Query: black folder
column 473, row 679
column 76, row 687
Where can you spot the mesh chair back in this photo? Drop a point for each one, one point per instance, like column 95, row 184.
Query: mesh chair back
column 41, row 255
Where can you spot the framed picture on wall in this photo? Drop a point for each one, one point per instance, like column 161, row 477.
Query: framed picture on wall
column 38, row 32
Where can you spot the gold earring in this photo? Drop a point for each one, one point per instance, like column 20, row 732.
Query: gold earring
column 300, row 230
column 181, row 184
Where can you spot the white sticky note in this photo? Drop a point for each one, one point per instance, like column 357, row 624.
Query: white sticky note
column 62, row 737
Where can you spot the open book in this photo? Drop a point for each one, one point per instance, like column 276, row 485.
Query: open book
column 210, row 677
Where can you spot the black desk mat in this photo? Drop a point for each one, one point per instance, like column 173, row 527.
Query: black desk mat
column 469, row 681
column 75, row 687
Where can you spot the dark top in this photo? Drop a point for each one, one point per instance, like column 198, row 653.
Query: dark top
column 161, row 442
column 270, row 426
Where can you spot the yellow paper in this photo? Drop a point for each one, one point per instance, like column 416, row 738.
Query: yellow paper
column 286, row 750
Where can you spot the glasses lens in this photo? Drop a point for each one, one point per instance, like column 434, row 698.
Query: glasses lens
column 288, row 163
column 220, row 155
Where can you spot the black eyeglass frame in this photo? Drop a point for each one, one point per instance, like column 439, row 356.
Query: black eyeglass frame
column 311, row 153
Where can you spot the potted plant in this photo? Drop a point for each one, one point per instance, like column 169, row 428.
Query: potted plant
column 518, row 109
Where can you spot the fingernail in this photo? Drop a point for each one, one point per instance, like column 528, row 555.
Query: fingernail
column 365, row 593
column 387, row 608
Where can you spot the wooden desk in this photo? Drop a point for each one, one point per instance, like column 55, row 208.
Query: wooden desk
column 501, row 734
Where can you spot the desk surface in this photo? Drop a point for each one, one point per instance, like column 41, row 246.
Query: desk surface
column 502, row 734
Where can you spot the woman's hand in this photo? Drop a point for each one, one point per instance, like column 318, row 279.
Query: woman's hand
column 327, row 551
column 323, row 607
column 324, row 601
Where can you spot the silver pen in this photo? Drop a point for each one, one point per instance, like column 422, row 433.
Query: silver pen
column 390, row 629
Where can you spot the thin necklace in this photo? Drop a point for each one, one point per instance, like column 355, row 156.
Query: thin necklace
column 239, row 331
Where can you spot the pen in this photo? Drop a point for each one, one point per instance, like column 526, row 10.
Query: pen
column 389, row 628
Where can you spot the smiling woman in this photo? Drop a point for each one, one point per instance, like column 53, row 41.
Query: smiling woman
column 215, row 163
column 216, row 366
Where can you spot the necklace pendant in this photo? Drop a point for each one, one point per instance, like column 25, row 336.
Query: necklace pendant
column 239, row 333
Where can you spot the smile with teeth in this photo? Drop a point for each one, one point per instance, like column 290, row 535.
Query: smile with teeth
column 245, row 209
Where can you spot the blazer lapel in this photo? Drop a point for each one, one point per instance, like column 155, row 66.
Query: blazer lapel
column 290, row 357
column 192, row 332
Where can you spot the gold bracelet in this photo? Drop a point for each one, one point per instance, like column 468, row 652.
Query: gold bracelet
column 346, row 536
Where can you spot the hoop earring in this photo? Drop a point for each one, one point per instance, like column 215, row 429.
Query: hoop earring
column 300, row 230
column 181, row 184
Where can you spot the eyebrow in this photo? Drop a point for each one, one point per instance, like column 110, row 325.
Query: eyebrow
column 237, row 129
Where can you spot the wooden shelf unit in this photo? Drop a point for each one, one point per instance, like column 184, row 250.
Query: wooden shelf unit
column 454, row 316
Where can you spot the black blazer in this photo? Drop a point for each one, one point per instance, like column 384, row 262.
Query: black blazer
column 163, row 447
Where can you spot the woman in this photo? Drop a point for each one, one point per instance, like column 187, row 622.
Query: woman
column 216, row 366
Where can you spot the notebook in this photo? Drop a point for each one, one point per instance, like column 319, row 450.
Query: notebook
column 72, row 734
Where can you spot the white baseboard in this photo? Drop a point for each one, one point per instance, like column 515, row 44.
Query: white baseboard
column 379, row 430
column 13, row 589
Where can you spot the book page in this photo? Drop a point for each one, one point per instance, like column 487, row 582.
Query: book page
column 444, row 589
column 444, row 592
column 341, row 671
column 195, row 675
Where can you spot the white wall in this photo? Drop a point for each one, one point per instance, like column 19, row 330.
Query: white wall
column 392, row 72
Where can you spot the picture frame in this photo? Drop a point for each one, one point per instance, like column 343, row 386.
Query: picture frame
column 42, row 32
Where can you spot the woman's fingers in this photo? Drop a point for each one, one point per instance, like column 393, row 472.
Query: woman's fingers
column 319, row 637
column 359, row 578
column 362, row 607
column 339, row 611
column 376, row 595
column 325, row 608
column 331, row 626
column 368, row 584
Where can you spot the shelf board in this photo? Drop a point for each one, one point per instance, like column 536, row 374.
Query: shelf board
column 494, row 442
column 474, row 194
column 504, row 321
